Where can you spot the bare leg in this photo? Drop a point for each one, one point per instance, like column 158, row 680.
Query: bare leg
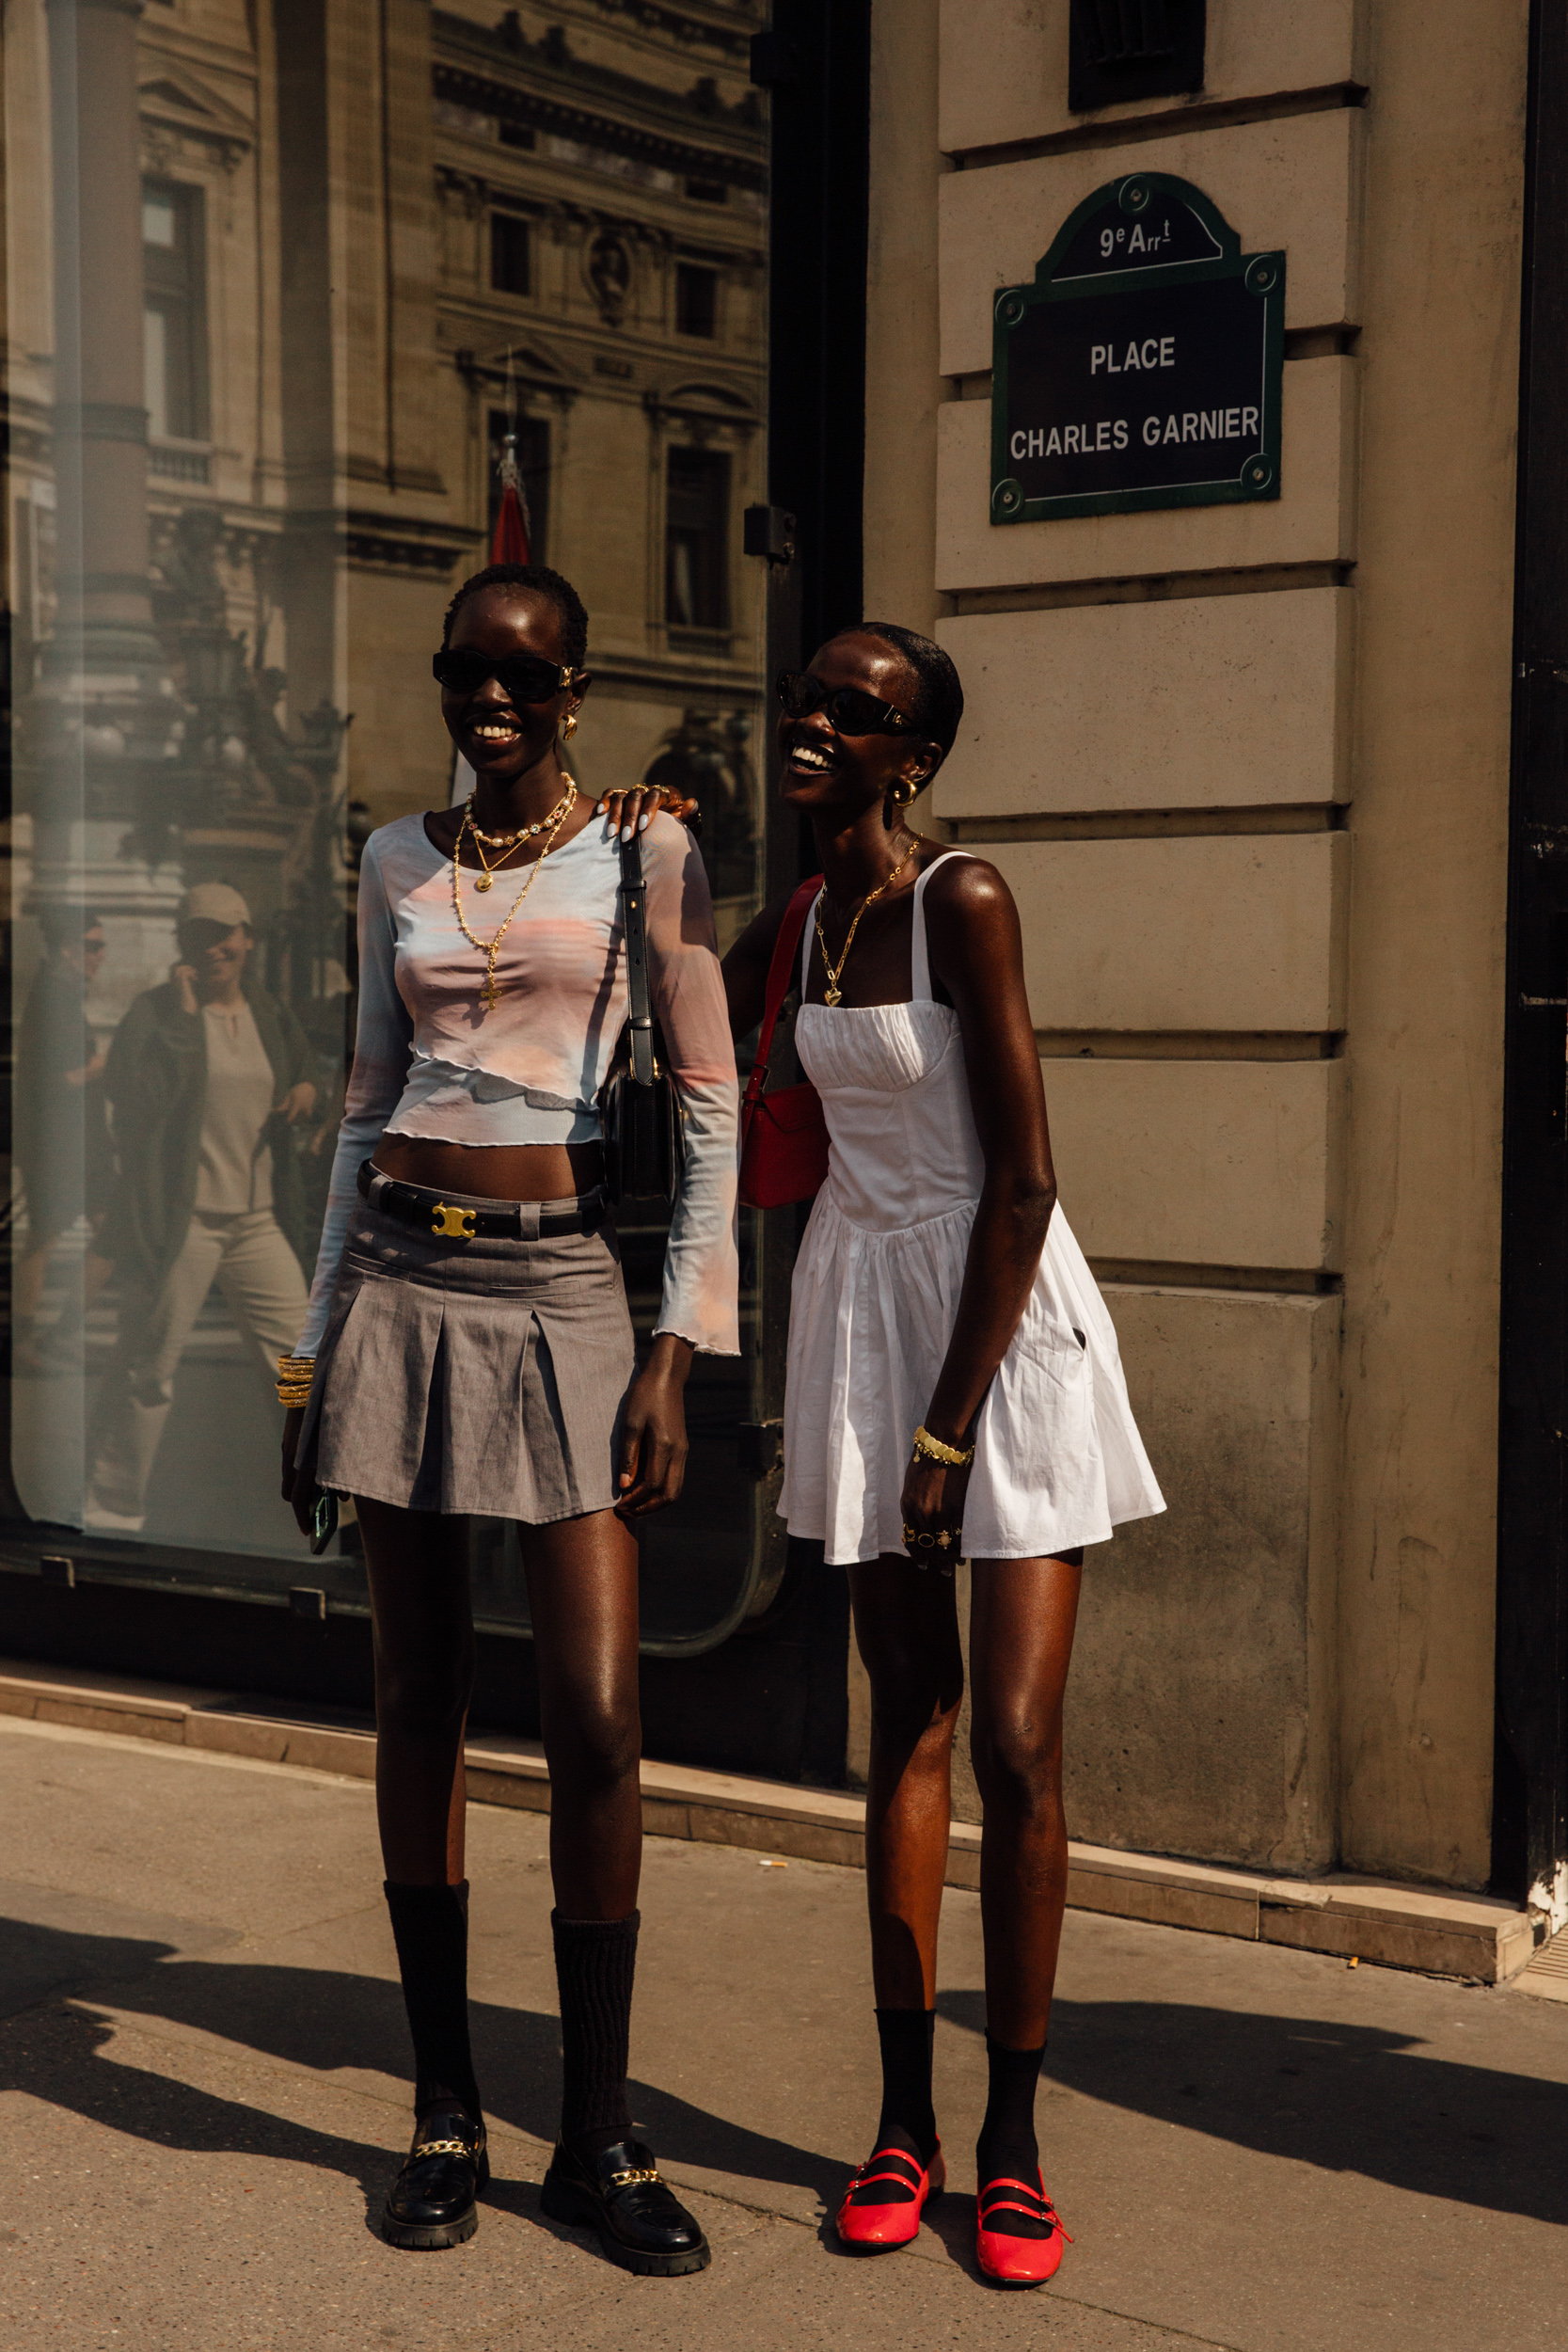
column 418, row 1564
column 582, row 1594
column 907, row 1629
column 1022, row 1616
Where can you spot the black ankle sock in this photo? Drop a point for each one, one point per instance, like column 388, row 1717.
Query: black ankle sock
column 596, row 1961
column 908, row 2119
column 1007, row 2150
column 430, row 1925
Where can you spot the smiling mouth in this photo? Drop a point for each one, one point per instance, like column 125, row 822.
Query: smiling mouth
column 814, row 762
column 494, row 730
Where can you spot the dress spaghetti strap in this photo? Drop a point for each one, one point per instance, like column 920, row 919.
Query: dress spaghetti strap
column 920, row 962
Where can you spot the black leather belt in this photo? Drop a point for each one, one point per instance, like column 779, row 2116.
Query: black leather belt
column 430, row 1212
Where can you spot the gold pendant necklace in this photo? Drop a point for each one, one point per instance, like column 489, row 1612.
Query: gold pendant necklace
column 832, row 992
column 555, row 819
column 507, row 842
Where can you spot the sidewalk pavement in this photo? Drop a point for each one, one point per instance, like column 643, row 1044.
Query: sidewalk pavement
column 205, row 2093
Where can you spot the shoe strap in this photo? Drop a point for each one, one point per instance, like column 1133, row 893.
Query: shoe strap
column 1009, row 2196
column 886, row 2156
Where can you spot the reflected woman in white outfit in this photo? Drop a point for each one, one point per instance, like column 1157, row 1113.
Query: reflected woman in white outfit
column 953, row 1387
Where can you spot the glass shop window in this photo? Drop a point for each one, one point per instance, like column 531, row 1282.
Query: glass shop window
column 259, row 379
column 696, row 300
column 696, row 536
column 511, row 254
column 174, row 311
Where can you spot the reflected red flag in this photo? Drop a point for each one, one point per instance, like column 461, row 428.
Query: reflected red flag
column 509, row 540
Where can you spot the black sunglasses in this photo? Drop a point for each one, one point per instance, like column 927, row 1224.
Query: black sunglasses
column 524, row 677
column 848, row 708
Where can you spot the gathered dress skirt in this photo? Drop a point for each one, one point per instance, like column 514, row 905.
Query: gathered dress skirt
column 1058, row 1461
column 486, row 1376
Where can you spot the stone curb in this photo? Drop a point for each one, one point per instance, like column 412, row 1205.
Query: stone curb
column 1470, row 1936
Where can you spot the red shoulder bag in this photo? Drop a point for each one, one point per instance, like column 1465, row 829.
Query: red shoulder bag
column 784, row 1137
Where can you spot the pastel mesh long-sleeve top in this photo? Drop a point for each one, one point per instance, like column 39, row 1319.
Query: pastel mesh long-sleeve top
column 429, row 1060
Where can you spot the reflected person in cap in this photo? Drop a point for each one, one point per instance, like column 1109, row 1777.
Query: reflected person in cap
column 206, row 1075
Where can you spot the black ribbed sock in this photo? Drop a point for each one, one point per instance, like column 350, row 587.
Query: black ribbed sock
column 908, row 2119
column 430, row 1925
column 1007, row 2150
column 595, row 1961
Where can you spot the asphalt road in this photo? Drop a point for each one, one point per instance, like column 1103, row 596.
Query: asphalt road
column 204, row 2093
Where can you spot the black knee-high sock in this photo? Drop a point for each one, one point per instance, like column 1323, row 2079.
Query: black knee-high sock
column 1007, row 2150
column 908, row 2119
column 430, row 1925
column 595, row 1961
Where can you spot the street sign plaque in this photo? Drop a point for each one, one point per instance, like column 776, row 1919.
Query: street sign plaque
column 1143, row 366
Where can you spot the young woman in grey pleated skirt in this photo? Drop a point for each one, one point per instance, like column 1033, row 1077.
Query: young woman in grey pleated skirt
column 468, row 1350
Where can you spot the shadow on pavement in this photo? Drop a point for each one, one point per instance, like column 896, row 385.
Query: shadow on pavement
column 322, row 2019
column 1347, row 2098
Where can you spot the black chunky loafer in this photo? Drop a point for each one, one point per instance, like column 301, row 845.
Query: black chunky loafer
column 642, row 2223
column 431, row 2203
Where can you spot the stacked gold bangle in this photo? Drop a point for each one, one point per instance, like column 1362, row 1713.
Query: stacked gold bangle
column 295, row 1376
column 936, row 1451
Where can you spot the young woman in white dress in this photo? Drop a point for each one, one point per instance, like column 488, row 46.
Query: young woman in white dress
column 953, row 1390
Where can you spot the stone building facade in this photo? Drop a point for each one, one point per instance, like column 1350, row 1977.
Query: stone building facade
column 1247, row 768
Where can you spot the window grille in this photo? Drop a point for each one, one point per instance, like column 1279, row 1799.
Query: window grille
column 1121, row 50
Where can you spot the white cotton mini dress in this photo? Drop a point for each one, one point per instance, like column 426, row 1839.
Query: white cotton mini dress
column 1059, row 1460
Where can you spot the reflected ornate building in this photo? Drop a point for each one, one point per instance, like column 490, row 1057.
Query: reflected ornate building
column 280, row 276
column 372, row 233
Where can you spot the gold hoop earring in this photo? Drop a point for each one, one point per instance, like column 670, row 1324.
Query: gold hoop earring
column 907, row 792
column 569, row 725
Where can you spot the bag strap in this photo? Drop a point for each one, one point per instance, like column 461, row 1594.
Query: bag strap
column 781, row 972
column 634, row 898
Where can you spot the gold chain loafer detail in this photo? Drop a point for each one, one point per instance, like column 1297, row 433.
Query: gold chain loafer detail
column 431, row 2203
column 641, row 2224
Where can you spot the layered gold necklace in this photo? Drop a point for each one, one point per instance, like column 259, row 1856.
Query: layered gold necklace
column 832, row 992
column 549, row 826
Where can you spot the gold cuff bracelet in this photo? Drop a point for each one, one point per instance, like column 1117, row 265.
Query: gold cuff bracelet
column 936, row 1451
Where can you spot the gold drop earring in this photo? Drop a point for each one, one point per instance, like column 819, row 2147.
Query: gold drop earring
column 569, row 725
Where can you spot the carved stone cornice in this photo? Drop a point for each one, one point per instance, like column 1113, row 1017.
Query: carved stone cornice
column 398, row 543
column 695, row 137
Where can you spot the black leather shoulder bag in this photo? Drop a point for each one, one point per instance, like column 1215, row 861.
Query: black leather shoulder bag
column 644, row 1137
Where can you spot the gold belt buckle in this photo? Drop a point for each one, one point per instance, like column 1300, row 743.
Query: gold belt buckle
column 452, row 1224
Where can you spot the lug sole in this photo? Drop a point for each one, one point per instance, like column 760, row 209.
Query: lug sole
column 568, row 2207
column 429, row 2237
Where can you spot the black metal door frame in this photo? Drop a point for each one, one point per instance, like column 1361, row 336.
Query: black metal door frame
column 1530, row 1787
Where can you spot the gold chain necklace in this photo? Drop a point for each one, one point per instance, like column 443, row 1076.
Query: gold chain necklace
column 832, row 992
column 507, row 842
column 557, row 818
column 510, row 840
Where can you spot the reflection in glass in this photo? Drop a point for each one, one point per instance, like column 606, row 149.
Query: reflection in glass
column 270, row 320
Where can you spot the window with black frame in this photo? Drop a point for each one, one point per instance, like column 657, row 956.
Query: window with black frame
column 174, row 311
column 696, row 539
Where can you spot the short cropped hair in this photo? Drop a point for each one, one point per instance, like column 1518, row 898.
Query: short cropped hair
column 939, row 698
column 541, row 581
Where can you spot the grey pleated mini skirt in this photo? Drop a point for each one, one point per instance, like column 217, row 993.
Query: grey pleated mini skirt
column 486, row 1376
